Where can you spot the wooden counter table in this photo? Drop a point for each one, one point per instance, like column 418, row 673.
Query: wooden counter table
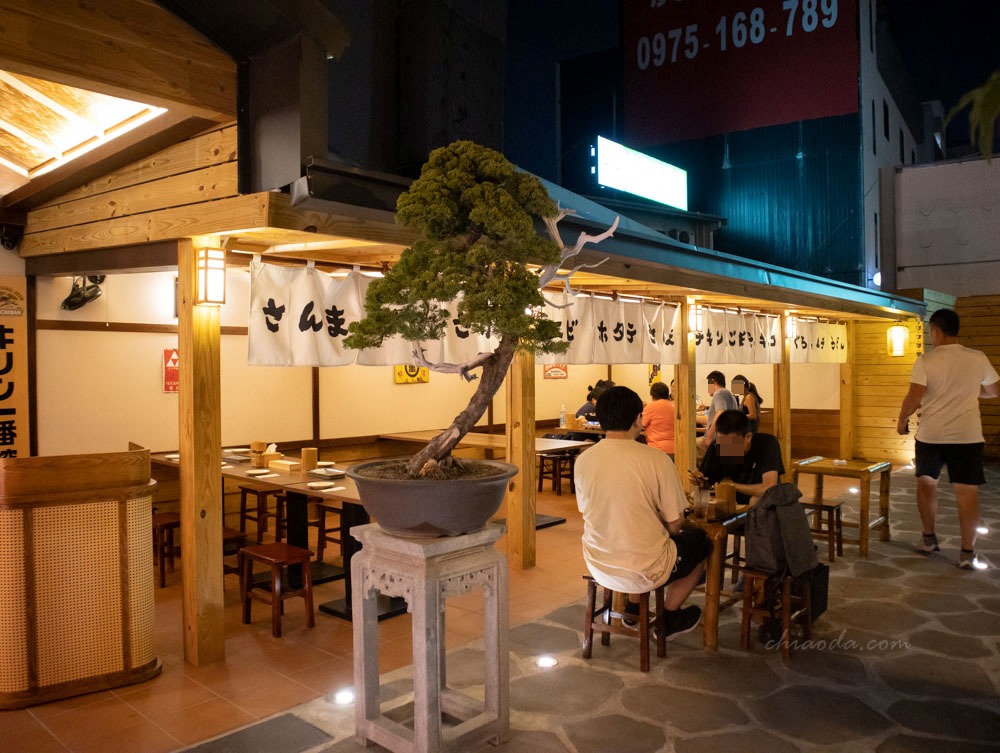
column 718, row 534
column 863, row 471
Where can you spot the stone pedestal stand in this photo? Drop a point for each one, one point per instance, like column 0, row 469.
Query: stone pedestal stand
column 425, row 572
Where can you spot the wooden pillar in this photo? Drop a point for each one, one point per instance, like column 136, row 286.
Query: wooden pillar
column 521, row 452
column 200, row 464
column 685, row 434
column 847, row 411
column 783, row 399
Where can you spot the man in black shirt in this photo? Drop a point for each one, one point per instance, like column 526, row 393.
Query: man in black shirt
column 752, row 461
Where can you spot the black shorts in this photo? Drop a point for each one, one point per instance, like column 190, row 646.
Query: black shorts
column 693, row 546
column 964, row 461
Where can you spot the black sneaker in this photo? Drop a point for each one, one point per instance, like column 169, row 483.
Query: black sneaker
column 630, row 618
column 680, row 621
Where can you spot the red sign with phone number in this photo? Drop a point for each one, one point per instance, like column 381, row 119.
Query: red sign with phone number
column 696, row 68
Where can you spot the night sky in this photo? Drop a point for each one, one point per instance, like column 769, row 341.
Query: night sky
column 949, row 46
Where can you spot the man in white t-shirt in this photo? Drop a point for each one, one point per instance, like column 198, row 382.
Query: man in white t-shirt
column 947, row 384
column 632, row 504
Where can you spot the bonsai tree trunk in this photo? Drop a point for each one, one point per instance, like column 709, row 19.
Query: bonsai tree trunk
column 494, row 369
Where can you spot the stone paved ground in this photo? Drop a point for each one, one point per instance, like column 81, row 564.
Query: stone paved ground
column 906, row 659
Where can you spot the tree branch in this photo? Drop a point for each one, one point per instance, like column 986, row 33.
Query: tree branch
column 452, row 368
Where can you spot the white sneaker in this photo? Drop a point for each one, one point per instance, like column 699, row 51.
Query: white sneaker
column 928, row 544
column 970, row 561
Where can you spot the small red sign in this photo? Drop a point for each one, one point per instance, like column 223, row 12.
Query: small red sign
column 171, row 373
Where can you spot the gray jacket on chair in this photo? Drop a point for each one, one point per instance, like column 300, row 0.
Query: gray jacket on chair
column 778, row 535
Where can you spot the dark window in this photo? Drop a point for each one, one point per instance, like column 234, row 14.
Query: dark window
column 871, row 26
column 878, row 243
column 874, row 132
column 902, row 148
column 885, row 119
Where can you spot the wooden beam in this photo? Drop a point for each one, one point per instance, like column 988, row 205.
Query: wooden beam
column 222, row 217
column 130, row 49
column 848, row 418
column 148, row 257
column 281, row 214
column 204, row 185
column 149, row 138
column 200, row 437
column 685, row 432
column 521, row 452
column 214, row 147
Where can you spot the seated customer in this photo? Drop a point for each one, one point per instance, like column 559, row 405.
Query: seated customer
column 588, row 411
column 658, row 419
column 752, row 461
column 632, row 502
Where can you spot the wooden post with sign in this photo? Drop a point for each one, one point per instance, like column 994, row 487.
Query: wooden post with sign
column 15, row 437
column 783, row 399
column 685, row 433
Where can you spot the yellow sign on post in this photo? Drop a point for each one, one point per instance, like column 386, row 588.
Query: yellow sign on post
column 15, row 440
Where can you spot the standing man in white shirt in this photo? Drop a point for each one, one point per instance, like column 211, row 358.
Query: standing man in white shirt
column 947, row 384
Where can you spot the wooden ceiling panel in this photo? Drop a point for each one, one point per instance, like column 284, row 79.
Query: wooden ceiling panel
column 18, row 151
column 29, row 116
column 77, row 101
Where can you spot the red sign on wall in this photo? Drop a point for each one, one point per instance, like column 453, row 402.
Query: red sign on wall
column 696, row 68
column 171, row 373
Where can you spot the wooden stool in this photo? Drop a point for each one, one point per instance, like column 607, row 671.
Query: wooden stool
column 260, row 513
column 276, row 556
column 606, row 620
column 164, row 525
column 832, row 528
column 735, row 560
column 554, row 465
column 792, row 607
column 325, row 534
column 232, row 542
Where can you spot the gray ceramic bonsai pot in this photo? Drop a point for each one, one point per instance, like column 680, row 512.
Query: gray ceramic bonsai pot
column 428, row 507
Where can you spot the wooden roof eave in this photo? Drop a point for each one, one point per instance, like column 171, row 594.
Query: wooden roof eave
column 655, row 258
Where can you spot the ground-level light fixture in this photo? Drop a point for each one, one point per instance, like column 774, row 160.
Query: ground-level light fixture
column 344, row 697
column 546, row 661
column 211, row 268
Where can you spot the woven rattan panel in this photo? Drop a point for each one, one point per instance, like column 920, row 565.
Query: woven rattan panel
column 78, row 591
column 141, row 607
column 13, row 615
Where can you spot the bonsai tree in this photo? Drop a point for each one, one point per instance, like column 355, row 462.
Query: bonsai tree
column 481, row 254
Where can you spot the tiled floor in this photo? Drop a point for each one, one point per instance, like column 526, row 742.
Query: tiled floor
column 263, row 675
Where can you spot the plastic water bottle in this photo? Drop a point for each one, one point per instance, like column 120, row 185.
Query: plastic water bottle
column 562, row 416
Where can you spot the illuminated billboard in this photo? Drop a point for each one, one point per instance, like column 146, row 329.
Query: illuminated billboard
column 697, row 68
column 617, row 166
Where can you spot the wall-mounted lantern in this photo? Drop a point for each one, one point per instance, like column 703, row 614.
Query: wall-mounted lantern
column 211, row 286
column 897, row 338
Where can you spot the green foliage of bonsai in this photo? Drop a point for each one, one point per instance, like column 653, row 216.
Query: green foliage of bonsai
column 481, row 254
